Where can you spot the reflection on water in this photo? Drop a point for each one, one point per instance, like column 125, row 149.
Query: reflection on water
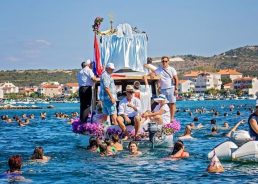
column 70, row 161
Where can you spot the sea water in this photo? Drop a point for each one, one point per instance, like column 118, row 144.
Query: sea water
column 71, row 163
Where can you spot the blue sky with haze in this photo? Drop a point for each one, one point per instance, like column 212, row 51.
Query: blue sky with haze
column 37, row 34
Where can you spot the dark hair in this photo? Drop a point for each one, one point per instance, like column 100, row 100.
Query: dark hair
column 38, row 153
column 195, row 119
column 108, row 142
column 214, row 129
column 149, row 60
column 163, row 57
column 15, row 163
column 83, row 64
column 115, row 138
column 213, row 121
column 102, row 148
column 177, row 147
column 93, row 142
column 132, row 142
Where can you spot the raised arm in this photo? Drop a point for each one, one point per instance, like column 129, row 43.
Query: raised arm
column 234, row 128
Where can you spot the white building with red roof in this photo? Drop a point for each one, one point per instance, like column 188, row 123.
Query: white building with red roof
column 70, row 88
column 185, row 86
column 230, row 73
column 246, row 84
column 50, row 89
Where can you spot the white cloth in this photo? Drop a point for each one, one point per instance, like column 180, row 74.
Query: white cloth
column 165, row 115
column 145, row 98
column 85, row 76
column 124, row 30
column 129, row 111
column 165, row 79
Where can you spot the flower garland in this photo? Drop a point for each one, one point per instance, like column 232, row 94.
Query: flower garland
column 97, row 23
column 116, row 130
column 92, row 129
column 172, row 127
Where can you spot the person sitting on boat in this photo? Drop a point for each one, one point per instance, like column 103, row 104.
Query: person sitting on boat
column 187, row 133
column 133, row 149
column 38, row 155
column 128, row 112
column 161, row 113
column 178, row 151
column 116, row 144
column 253, row 123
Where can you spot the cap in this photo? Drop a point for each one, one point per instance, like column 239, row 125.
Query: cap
column 110, row 65
column 88, row 62
column 136, row 83
column 129, row 88
column 161, row 97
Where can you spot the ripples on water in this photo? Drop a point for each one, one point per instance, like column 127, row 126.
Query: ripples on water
column 70, row 162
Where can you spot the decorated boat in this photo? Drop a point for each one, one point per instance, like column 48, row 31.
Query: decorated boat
column 126, row 47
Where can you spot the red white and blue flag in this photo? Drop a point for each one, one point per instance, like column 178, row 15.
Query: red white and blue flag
column 98, row 66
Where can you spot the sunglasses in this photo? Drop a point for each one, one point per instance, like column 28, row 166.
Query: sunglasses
column 129, row 92
column 164, row 61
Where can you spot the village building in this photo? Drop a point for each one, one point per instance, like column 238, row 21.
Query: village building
column 207, row 80
column 229, row 73
column 185, row 86
column 28, row 90
column 249, row 85
column 70, row 88
column 50, row 89
column 8, row 87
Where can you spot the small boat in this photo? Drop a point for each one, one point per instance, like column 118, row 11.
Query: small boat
column 239, row 149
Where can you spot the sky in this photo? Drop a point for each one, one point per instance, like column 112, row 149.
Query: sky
column 47, row 34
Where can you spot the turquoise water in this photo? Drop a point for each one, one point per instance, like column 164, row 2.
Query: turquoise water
column 72, row 163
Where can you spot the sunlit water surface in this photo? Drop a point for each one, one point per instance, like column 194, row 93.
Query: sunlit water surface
column 72, row 163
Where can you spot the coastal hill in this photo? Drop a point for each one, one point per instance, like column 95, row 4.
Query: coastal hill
column 244, row 59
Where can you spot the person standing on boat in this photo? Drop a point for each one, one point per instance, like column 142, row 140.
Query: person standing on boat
column 86, row 79
column 108, row 93
column 253, row 123
column 168, row 83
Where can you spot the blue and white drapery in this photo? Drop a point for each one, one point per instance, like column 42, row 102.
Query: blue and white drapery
column 124, row 51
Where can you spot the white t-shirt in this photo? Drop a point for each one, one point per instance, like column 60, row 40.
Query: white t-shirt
column 165, row 79
column 129, row 111
column 85, row 76
column 145, row 98
column 166, row 114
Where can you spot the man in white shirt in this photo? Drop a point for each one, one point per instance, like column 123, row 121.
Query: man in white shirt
column 128, row 112
column 86, row 80
column 168, row 83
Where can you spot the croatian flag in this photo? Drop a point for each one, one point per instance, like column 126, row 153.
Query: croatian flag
column 98, row 64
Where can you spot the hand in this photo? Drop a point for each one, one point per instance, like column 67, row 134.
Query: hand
column 113, row 100
column 176, row 92
column 130, row 105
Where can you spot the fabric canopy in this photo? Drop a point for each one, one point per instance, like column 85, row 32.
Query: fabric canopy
column 124, row 52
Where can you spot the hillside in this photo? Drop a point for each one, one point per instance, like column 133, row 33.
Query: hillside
column 244, row 59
